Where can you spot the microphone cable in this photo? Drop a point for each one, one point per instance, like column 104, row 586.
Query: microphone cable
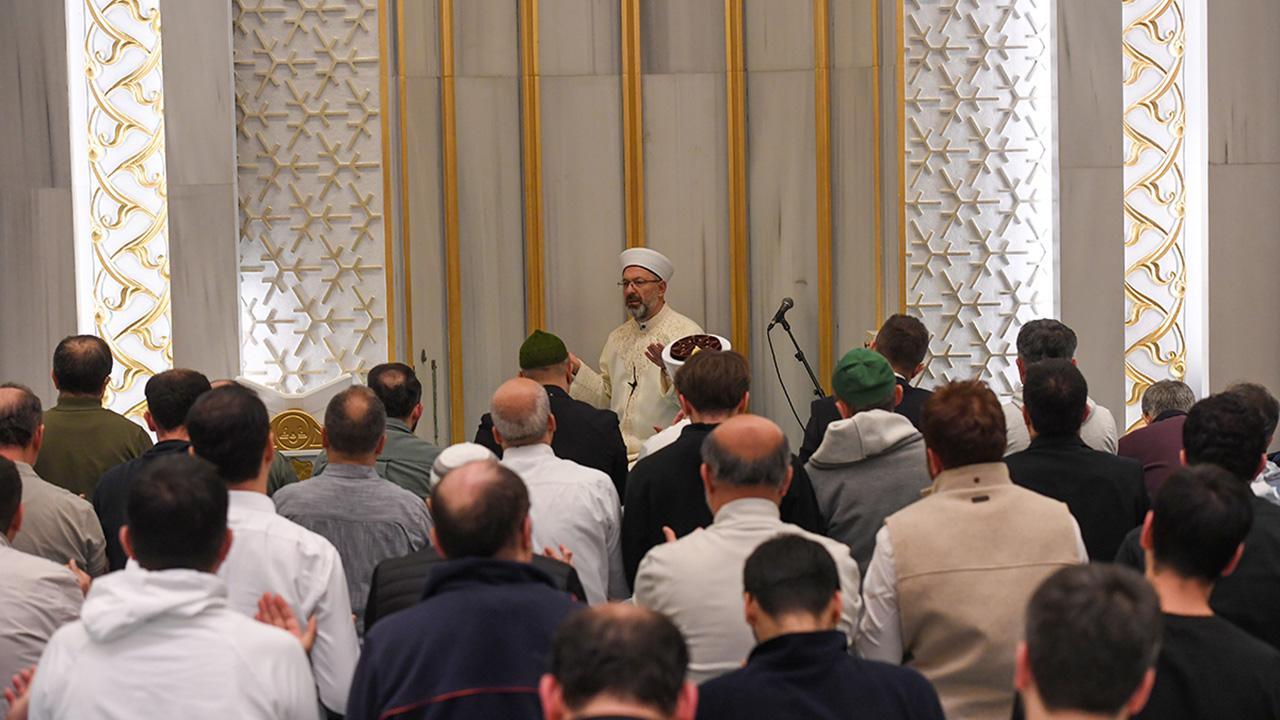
column 768, row 334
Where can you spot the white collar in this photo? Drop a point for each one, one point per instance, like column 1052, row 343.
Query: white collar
column 251, row 501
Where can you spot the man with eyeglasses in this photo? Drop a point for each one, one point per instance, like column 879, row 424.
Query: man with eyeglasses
column 632, row 380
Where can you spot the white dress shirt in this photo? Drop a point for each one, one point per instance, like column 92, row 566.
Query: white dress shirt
column 165, row 645
column 880, row 635
column 697, row 582
column 36, row 598
column 272, row 554
column 663, row 438
column 577, row 507
column 1098, row 430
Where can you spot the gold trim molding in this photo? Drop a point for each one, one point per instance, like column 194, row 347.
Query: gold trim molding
column 384, row 119
column 453, row 263
column 531, row 144
column 632, row 123
column 736, row 106
column 822, row 145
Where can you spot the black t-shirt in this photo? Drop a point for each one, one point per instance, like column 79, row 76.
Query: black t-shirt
column 1209, row 669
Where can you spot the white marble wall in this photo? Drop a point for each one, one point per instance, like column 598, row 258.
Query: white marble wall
column 36, row 251
column 1244, row 184
column 199, row 140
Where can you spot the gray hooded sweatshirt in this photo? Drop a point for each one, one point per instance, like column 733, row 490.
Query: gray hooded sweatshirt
column 867, row 468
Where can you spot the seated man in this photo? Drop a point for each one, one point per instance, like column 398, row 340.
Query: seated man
column 697, row 580
column 1091, row 638
column 1207, row 667
column 1105, row 493
column 871, row 464
column 951, row 573
column 903, row 341
column 801, row 669
column 82, row 439
column 36, row 596
column 618, row 661
column 158, row 639
column 58, row 525
column 477, row 644
column 1049, row 340
column 365, row 517
column 405, row 458
column 1222, row 430
column 1267, row 483
column 1158, row 444
column 170, row 395
column 228, row 426
column 574, row 507
column 585, row 434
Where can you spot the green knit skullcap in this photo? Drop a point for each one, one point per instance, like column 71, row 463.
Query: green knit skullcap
column 863, row 378
column 542, row 349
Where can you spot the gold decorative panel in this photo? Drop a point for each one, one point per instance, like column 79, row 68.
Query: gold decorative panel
column 313, row 283
column 297, row 430
column 127, row 212
column 977, row 180
column 1155, row 280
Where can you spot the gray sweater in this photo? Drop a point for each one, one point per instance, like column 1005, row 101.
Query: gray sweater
column 867, row 468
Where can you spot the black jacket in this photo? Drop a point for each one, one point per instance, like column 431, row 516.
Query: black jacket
column 585, row 434
column 475, row 647
column 111, row 496
column 810, row 676
column 665, row 488
column 1105, row 493
column 398, row 582
column 1248, row 597
column 823, row 412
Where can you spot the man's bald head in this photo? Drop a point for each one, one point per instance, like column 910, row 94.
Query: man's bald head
column 479, row 510
column 355, row 422
column 521, row 412
column 747, row 451
column 82, row 365
column 20, row 416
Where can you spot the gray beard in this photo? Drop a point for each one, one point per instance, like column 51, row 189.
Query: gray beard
column 639, row 312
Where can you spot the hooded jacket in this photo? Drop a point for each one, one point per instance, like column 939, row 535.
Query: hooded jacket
column 165, row 644
column 868, row 467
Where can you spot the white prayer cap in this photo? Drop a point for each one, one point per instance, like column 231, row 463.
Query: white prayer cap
column 455, row 456
column 651, row 260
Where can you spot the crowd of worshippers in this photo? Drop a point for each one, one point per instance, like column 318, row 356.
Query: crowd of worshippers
column 923, row 555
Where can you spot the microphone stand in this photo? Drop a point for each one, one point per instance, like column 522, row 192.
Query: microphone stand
column 813, row 378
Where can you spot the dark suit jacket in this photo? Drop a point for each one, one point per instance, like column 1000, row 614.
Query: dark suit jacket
column 585, row 434
column 823, row 412
column 1158, row 447
column 1104, row 492
column 398, row 583
column 111, row 496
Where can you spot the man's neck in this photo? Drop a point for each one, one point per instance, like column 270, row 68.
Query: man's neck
column 1034, row 709
column 1180, row 595
column 605, row 706
column 179, row 433
column 768, row 628
column 556, row 380
column 257, row 485
column 726, row 494
column 710, row 418
column 18, row 454
column 64, row 395
column 363, row 460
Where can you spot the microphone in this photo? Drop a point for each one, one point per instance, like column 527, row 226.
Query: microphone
column 780, row 316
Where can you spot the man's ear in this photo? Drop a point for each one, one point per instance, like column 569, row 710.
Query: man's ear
column 324, row 438
column 552, row 697
column 54, row 376
column 497, row 436
column 935, row 465
column 845, row 411
column 126, row 542
column 786, row 482
column 269, row 452
column 223, row 551
column 526, row 534
column 16, row 523
column 37, row 441
column 1138, row 700
column 685, row 407
column 382, row 443
column 687, row 702
column 743, row 404
column 835, row 608
column 1022, row 679
column 435, row 543
column 151, row 423
column 1145, row 538
column 916, row 373
column 551, row 424
column 750, row 609
column 708, row 486
column 1182, row 457
column 1235, row 561
column 897, row 395
column 1022, row 369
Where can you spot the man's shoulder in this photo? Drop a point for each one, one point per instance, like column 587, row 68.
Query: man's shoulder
column 278, row 530
column 58, row 497
column 22, row 569
column 258, row 641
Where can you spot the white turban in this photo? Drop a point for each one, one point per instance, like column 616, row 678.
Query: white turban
column 651, row 260
column 455, row 456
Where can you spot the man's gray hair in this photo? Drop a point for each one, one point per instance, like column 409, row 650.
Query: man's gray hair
column 528, row 429
column 730, row 469
column 1167, row 395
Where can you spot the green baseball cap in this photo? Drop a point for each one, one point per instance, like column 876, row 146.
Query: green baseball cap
column 863, row 378
column 542, row 349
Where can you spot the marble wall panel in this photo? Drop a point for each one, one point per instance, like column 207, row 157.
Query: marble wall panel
column 779, row 34
column 686, row 203
column 852, row 33
column 681, row 36
column 421, row 54
column 492, row 244
column 36, row 232
column 486, row 34
column 579, row 37
column 853, row 207
column 583, row 213
column 1244, row 93
column 782, row 221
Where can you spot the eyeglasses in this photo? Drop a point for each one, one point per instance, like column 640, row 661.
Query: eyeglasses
column 637, row 284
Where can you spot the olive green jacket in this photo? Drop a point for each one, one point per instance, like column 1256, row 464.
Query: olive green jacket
column 82, row 440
